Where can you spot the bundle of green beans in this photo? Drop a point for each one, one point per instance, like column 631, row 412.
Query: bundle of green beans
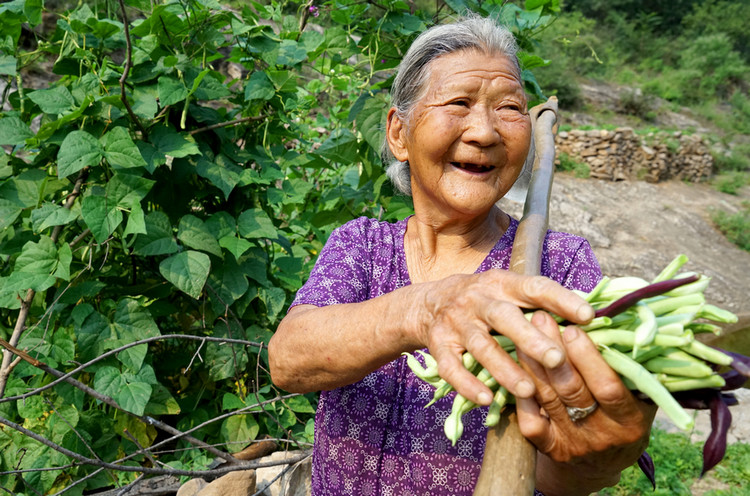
column 646, row 333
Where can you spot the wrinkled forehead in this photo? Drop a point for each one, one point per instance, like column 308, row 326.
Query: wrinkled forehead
column 462, row 66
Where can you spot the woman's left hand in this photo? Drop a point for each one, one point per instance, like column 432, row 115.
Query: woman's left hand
column 581, row 456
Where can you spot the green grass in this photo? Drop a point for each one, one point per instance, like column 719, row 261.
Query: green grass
column 731, row 182
column 678, row 464
column 736, row 227
column 569, row 164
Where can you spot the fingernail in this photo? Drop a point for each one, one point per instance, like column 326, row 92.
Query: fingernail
column 585, row 312
column 524, row 389
column 570, row 334
column 484, row 398
column 553, row 358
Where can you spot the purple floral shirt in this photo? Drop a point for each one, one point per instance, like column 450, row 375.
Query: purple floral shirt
column 376, row 437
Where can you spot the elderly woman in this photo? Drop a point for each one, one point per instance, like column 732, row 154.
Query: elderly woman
column 460, row 132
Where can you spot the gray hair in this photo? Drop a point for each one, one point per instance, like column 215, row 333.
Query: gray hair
column 471, row 32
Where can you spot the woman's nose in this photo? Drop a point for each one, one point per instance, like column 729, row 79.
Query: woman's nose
column 481, row 128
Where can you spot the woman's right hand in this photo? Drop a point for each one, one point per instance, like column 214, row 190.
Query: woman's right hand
column 458, row 313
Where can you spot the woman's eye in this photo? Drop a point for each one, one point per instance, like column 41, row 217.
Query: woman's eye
column 511, row 106
column 460, row 103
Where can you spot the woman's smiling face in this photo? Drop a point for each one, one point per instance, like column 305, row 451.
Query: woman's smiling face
column 468, row 136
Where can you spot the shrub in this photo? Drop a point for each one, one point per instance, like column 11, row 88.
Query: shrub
column 736, row 227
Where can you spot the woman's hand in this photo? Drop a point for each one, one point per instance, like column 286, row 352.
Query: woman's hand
column 580, row 457
column 458, row 313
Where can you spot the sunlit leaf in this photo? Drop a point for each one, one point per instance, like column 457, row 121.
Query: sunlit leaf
column 79, row 149
column 13, row 131
column 187, row 270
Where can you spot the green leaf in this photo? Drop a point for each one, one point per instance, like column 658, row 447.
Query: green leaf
column 171, row 90
column 169, row 142
column 94, row 337
column 187, row 270
column 134, row 397
column 194, row 234
column 224, row 177
column 9, row 212
column 101, row 216
column 236, row 245
column 37, row 258
column 32, row 407
column 108, row 381
column 79, row 149
column 8, row 65
column 48, row 215
column 238, row 431
column 290, row 53
column 255, row 223
column 24, row 189
column 13, row 131
column 229, row 282
column 341, row 146
column 135, row 320
column 231, row 402
column 371, row 119
column 124, row 189
column 259, row 87
column 133, row 357
column 158, row 239
column 161, row 402
column 299, row 404
column 120, row 150
column 136, row 220
column 274, row 299
column 55, row 100
column 64, row 259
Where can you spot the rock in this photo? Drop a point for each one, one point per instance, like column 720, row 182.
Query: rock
column 295, row 482
column 192, row 487
column 240, row 483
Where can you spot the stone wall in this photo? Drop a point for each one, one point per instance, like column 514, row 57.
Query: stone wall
column 621, row 154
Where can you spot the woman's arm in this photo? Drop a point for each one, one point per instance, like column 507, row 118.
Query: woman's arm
column 318, row 348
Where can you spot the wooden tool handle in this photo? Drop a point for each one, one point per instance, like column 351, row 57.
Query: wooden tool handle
column 509, row 463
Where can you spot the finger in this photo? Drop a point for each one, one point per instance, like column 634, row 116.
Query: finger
column 500, row 364
column 546, row 396
column 565, row 380
column 603, row 382
column 532, row 423
column 507, row 319
column 544, row 293
column 450, row 367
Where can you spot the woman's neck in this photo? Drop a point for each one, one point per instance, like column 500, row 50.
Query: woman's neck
column 437, row 248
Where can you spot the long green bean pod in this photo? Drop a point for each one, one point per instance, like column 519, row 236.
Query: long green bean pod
column 648, row 384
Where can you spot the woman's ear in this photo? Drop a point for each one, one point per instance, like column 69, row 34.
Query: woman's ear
column 395, row 134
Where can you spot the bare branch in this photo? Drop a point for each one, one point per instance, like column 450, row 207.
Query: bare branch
column 64, row 377
column 152, row 470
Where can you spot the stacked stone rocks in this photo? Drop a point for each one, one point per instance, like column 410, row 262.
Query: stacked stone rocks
column 622, row 155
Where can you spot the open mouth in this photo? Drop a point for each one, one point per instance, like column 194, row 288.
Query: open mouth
column 472, row 167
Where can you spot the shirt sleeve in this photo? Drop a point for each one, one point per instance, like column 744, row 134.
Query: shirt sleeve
column 571, row 261
column 342, row 271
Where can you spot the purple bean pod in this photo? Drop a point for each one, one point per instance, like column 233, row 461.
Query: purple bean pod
column 716, row 443
column 734, row 380
column 658, row 288
column 646, row 464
